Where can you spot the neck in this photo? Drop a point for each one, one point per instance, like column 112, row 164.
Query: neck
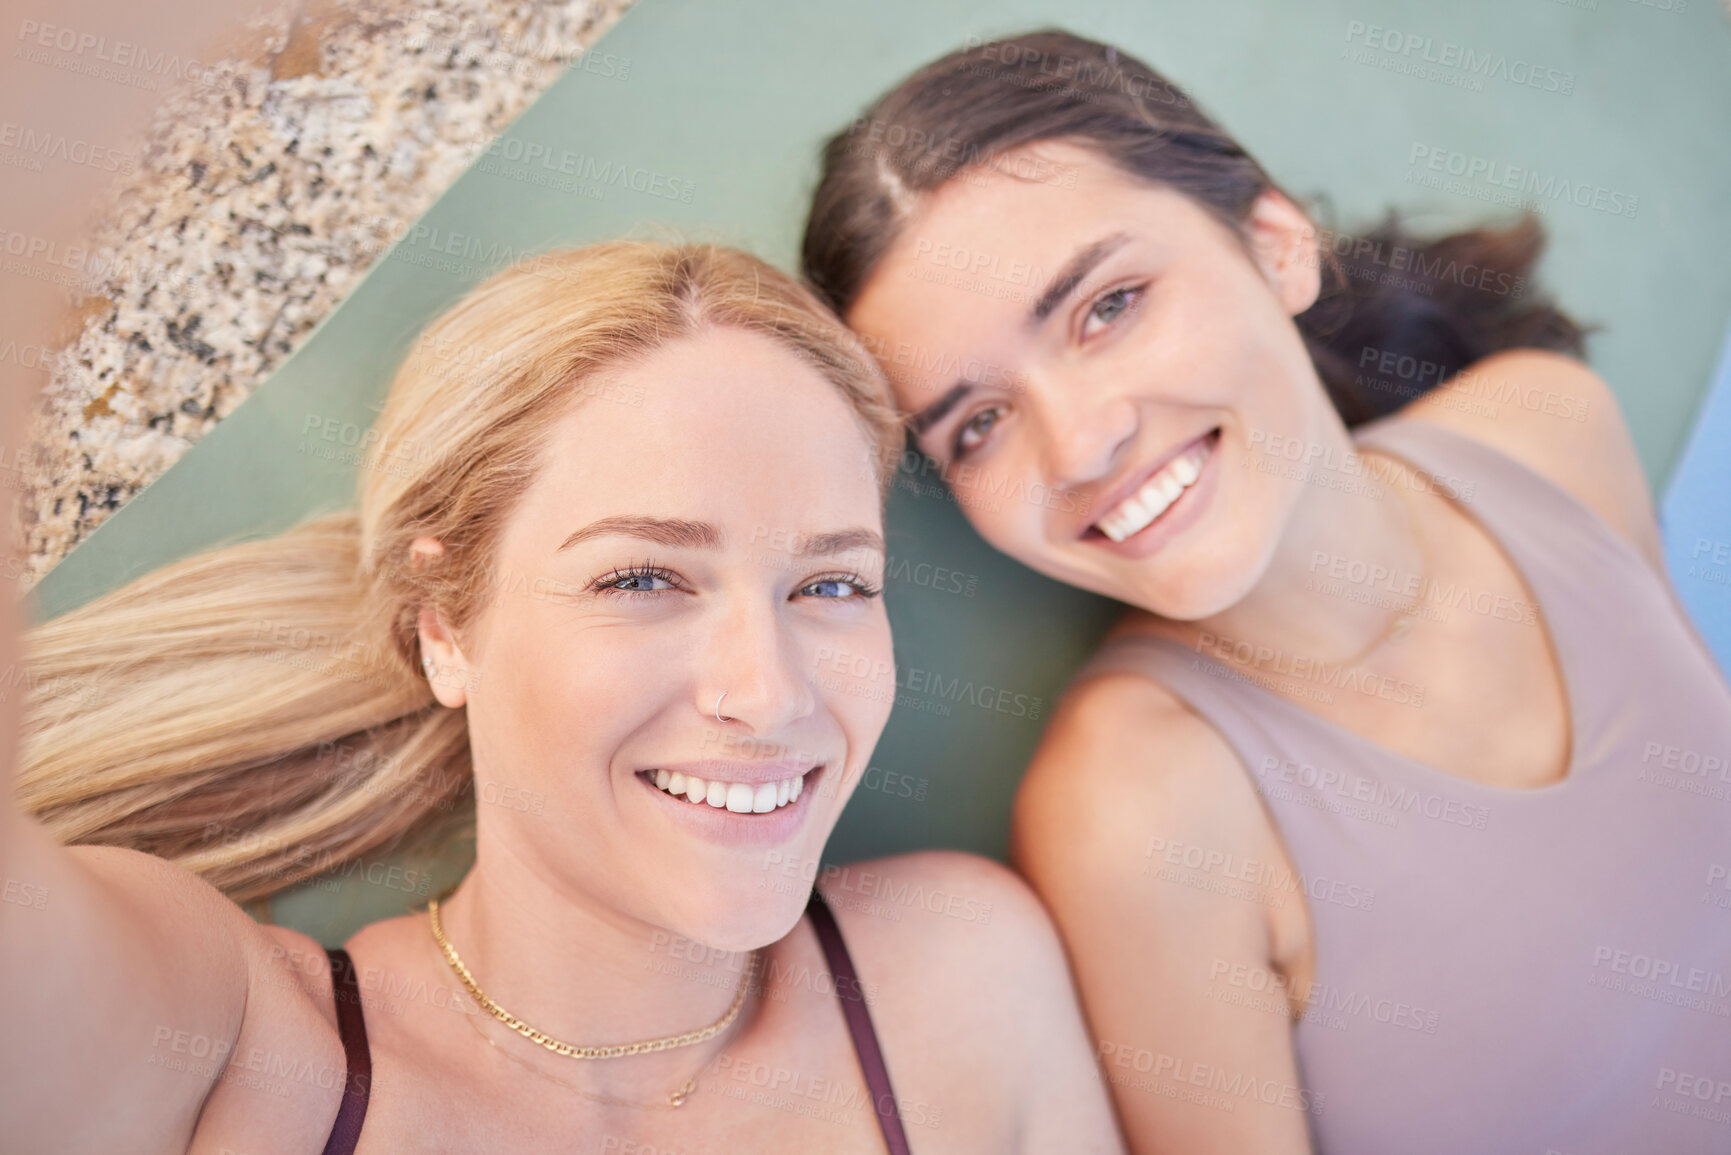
column 1348, row 564
column 585, row 973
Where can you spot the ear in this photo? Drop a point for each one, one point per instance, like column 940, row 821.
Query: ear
column 1284, row 243
column 449, row 673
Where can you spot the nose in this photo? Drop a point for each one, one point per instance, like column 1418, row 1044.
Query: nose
column 754, row 677
column 1083, row 436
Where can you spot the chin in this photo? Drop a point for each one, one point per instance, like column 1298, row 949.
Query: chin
column 1208, row 596
column 1195, row 593
column 1217, row 574
column 745, row 917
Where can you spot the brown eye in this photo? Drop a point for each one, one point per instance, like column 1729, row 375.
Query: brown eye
column 1108, row 309
column 973, row 431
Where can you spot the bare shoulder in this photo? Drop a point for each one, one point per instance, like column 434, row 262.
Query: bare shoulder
column 286, row 1073
column 970, row 991
column 1122, row 761
column 1559, row 418
column 292, row 960
column 1127, row 781
column 941, row 918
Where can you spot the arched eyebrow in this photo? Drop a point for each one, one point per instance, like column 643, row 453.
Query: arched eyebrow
column 681, row 534
column 666, row 531
column 1069, row 278
column 1074, row 272
column 939, row 409
column 840, row 542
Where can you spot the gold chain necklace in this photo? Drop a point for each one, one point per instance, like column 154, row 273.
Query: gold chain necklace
column 674, row 1099
column 606, row 1051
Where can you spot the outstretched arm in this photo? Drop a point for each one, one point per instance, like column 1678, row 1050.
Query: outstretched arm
column 129, row 981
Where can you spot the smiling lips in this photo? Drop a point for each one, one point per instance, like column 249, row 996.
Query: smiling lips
column 1156, row 495
column 739, row 797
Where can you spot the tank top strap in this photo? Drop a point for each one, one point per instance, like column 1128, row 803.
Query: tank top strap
column 352, row 1027
column 1530, row 516
column 345, row 1133
column 1553, row 539
column 1254, row 723
column 1443, row 910
column 859, row 1023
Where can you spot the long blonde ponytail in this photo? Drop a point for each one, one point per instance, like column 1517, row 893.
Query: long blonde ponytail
column 257, row 713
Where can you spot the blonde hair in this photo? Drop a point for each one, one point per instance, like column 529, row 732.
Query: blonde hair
column 256, row 713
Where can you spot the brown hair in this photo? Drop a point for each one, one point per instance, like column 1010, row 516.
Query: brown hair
column 257, row 713
column 1445, row 302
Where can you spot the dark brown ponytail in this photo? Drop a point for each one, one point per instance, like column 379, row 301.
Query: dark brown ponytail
column 1435, row 305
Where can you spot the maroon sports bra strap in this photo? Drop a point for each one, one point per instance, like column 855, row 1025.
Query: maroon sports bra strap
column 352, row 1026
column 859, row 1023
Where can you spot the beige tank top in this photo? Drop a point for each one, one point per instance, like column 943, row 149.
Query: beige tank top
column 1525, row 971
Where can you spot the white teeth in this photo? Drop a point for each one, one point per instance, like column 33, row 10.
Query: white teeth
column 1133, row 508
column 1136, row 512
column 739, row 797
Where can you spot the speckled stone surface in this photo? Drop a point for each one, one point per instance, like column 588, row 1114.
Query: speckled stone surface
column 257, row 202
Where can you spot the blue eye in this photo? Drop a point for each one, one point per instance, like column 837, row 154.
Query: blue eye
column 839, row 588
column 640, row 583
column 635, row 580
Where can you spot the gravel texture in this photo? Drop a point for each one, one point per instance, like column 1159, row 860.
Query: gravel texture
column 257, row 200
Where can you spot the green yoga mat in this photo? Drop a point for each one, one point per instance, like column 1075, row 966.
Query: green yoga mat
column 705, row 124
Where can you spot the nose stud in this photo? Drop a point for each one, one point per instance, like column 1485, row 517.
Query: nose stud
column 718, row 716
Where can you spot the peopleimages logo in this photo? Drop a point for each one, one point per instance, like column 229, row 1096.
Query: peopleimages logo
column 1522, row 179
column 1372, row 792
column 592, row 169
column 27, row 147
column 1663, row 972
column 1446, row 54
column 1320, row 671
column 91, row 54
column 1082, row 74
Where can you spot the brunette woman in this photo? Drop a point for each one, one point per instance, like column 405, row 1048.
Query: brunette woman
column 1383, row 820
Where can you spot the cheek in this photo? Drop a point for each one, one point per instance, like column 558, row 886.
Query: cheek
column 546, row 703
column 1007, row 498
column 856, row 681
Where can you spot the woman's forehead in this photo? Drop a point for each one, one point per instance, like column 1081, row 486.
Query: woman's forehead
column 723, row 416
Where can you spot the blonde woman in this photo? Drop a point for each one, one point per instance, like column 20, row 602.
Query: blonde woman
column 624, row 560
